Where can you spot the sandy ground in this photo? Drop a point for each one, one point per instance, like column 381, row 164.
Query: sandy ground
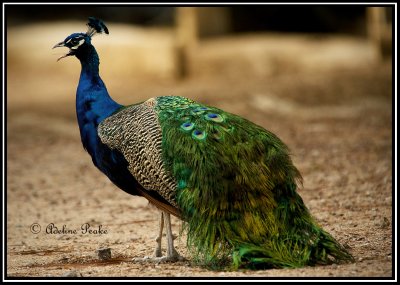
column 337, row 122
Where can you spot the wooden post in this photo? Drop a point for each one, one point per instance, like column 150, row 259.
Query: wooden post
column 379, row 30
column 186, row 39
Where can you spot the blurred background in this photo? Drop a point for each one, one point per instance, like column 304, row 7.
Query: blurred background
column 183, row 43
column 318, row 76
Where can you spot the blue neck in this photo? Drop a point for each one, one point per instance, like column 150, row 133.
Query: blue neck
column 93, row 103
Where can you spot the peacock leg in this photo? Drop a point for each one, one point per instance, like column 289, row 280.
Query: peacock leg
column 157, row 252
column 172, row 254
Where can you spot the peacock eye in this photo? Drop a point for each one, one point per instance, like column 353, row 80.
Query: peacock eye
column 74, row 42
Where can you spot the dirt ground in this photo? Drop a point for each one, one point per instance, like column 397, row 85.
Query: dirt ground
column 337, row 121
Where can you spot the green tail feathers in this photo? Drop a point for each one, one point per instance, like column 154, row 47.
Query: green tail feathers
column 236, row 189
column 286, row 237
column 289, row 252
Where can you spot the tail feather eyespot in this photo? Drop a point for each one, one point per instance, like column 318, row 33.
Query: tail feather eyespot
column 214, row 117
column 199, row 135
column 187, row 126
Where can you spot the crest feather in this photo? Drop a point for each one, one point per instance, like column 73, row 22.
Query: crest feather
column 96, row 26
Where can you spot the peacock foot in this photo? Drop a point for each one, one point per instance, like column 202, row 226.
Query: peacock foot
column 175, row 257
column 172, row 254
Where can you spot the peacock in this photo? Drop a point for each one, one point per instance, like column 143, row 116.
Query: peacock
column 230, row 181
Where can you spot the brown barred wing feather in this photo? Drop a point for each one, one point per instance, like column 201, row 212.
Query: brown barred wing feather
column 136, row 133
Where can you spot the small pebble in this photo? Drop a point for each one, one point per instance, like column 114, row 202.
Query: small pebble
column 104, row 253
column 346, row 245
column 384, row 223
column 64, row 259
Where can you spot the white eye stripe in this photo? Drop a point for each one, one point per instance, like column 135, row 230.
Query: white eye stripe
column 79, row 44
column 80, row 40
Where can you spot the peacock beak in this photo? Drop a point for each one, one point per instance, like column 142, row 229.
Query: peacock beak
column 61, row 44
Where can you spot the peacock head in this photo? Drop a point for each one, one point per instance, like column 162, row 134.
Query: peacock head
column 78, row 41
